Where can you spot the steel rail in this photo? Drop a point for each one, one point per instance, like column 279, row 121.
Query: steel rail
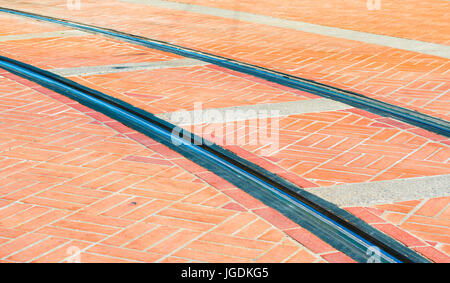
column 335, row 226
column 354, row 99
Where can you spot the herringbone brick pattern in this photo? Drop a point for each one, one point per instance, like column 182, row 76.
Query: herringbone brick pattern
column 71, row 183
column 73, row 178
column 80, row 51
column 332, row 148
column 14, row 25
column 177, row 89
column 410, row 19
column 156, row 91
column 408, row 79
column 414, row 223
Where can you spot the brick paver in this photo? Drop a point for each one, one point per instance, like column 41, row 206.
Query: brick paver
column 405, row 78
column 178, row 89
column 73, row 183
column 359, row 146
column 407, row 19
column 336, row 147
column 422, row 224
column 73, row 179
column 14, row 25
column 91, row 50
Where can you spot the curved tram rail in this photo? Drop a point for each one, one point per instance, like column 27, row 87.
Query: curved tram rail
column 409, row 116
column 335, row 226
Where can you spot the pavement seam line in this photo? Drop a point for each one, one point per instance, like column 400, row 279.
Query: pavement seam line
column 128, row 67
column 409, row 214
column 54, row 34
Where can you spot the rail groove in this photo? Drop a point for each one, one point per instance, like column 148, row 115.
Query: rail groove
column 427, row 122
column 340, row 229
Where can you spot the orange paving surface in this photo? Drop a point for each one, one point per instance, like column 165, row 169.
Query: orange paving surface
column 81, row 51
column 177, row 89
column 69, row 180
column 408, row 79
column 34, row 150
column 336, row 147
column 422, row 224
column 14, row 25
column 412, row 19
column 327, row 148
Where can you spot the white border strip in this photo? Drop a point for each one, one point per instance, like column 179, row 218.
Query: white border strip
column 382, row 192
column 64, row 33
column 384, row 40
column 257, row 111
column 127, row 67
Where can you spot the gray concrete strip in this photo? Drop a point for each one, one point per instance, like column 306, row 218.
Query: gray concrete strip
column 365, row 194
column 384, row 40
column 64, row 33
column 257, row 111
column 127, row 67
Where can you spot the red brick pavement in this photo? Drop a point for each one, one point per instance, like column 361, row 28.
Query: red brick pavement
column 336, row 147
column 47, row 175
column 177, row 89
column 80, row 51
column 15, row 25
column 423, row 224
column 410, row 19
column 71, row 182
column 408, row 79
